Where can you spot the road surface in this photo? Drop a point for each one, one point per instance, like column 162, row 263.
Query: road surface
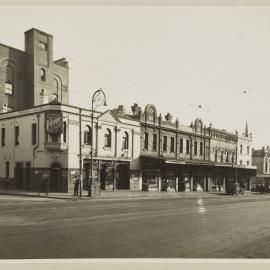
column 193, row 227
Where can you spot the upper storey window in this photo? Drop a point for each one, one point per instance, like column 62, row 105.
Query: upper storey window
column 108, row 138
column 241, row 149
column 125, row 141
column 87, row 135
column 9, row 82
column 42, row 74
column 43, row 46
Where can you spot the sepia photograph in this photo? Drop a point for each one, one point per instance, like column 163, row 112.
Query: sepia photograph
column 134, row 132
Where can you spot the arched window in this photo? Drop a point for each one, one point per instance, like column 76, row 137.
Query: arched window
column 108, row 138
column 9, row 81
column 125, row 141
column 55, row 86
column 87, row 135
column 151, row 114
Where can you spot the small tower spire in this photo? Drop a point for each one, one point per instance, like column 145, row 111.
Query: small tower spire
column 246, row 130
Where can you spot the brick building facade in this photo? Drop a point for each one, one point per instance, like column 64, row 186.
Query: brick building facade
column 31, row 77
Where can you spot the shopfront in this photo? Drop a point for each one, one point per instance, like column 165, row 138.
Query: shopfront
column 169, row 181
column 150, row 179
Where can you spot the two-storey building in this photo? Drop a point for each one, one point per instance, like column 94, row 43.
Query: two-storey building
column 175, row 157
column 49, row 144
column 261, row 159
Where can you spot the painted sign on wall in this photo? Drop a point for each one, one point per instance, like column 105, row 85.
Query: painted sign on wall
column 54, row 123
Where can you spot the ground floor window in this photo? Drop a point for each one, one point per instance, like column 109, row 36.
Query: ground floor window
column 150, row 180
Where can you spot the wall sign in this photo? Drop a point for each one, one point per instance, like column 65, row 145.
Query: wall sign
column 54, row 123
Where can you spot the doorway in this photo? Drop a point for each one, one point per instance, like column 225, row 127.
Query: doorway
column 28, row 176
column 19, row 175
column 122, row 177
column 56, row 178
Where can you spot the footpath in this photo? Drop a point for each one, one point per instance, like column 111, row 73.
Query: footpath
column 120, row 195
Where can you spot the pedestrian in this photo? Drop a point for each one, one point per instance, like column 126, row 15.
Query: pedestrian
column 76, row 185
column 262, row 188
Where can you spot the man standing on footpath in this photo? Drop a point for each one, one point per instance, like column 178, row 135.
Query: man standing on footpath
column 76, row 185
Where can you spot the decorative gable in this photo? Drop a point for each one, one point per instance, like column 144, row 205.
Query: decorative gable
column 108, row 116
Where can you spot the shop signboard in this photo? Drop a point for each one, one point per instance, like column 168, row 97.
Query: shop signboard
column 54, row 123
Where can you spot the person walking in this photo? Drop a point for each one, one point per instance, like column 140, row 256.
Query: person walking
column 76, row 186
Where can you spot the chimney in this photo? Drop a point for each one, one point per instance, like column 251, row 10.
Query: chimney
column 136, row 111
column 168, row 117
column 177, row 123
column 120, row 111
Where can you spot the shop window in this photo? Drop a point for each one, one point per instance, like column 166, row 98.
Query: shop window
column 55, row 138
column 164, row 143
column 17, row 135
column 172, row 144
column 181, row 146
column 187, row 146
column 108, row 138
column 145, row 140
column 34, row 133
column 87, row 134
column 154, row 142
column 3, row 136
column 125, row 141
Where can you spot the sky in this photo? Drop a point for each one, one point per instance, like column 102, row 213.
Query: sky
column 211, row 63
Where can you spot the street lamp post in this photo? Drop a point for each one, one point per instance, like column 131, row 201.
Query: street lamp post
column 98, row 99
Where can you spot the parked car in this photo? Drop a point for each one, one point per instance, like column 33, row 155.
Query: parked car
column 234, row 188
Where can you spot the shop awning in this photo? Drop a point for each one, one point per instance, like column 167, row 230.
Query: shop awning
column 175, row 162
column 152, row 161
